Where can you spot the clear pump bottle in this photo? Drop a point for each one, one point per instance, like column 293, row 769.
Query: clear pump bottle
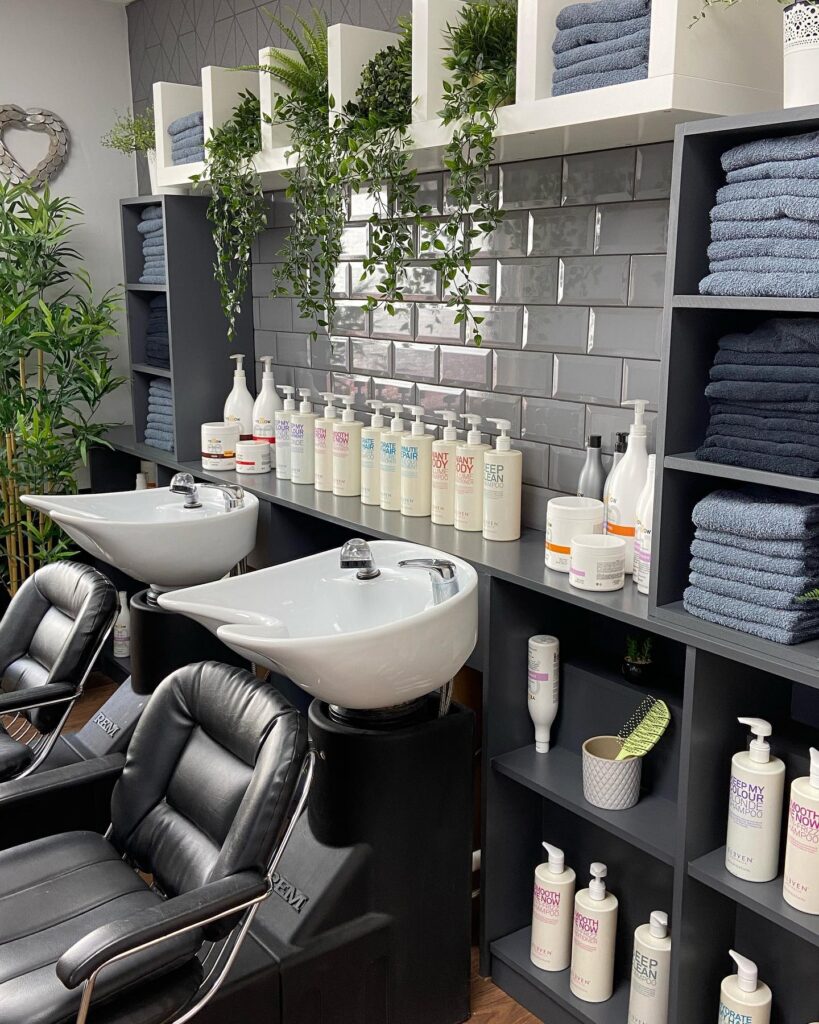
column 391, row 460
column 283, row 420
column 469, row 478
column 239, row 404
column 416, row 467
column 323, row 437
column 443, row 471
column 502, row 486
column 347, row 452
column 302, row 442
column 371, row 456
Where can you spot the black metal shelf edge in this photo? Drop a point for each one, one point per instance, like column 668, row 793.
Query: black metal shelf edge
column 650, row 825
column 151, row 371
column 687, row 462
column 146, row 287
column 746, row 302
column 513, row 951
column 763, row 898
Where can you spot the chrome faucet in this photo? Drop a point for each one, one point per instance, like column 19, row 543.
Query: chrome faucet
column 183, row 483
column 357, row 554
column 443, row 574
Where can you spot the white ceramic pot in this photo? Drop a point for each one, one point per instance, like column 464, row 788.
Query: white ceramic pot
column 608, row 783
column 801, row 54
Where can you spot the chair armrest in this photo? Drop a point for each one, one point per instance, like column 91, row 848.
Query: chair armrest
column 36, row 696
column 182, row 913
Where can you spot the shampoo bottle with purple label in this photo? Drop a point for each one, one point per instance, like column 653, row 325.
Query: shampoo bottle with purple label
column 552, row 909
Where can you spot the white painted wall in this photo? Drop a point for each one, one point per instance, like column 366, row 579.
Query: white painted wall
column 71, row 56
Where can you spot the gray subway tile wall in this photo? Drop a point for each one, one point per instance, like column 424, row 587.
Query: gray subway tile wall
column 575, row 277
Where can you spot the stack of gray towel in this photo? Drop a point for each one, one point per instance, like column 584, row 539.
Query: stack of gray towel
column 755, row 552
column 157, row 338
column 152, row 229
column 765, row 226
column 159, row 424
column 187, row 138
column 599, row 44
column 764, row 398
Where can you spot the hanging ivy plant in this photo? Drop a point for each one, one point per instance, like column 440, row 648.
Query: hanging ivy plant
column 236, row 209
column 482, row 59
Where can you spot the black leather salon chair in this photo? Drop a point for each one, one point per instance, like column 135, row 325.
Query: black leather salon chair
column 50, row 637
column 215, row 778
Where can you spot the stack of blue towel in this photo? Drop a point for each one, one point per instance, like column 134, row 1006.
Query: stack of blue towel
column 152, row 229
column 187, row 138
column 764, row 398
column 599, row 44
column 765, row 226
column 159, row 425
column 157, row 339
column 755, row 552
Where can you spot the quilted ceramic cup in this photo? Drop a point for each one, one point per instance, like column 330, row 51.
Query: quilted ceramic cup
column 608, row 783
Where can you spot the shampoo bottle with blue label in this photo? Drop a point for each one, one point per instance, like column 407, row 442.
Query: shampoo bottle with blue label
column 743, row 998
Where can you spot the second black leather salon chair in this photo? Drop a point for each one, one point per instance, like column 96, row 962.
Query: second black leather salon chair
column 50, row 637
column 215, row 777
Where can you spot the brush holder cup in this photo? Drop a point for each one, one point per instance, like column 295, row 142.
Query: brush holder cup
column 608, row 783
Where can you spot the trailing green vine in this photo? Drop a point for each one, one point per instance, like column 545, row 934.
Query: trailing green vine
column 236, row 209
column 482, row 61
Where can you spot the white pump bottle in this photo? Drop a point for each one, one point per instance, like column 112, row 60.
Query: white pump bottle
column 239, row 404
column 755, row 808
column 391, row 461
column 371, row 456
column 593, row 940
column 742, row 996
column 302, row 444
column 801, row 886
column 627, row 483
column 552, row 910
column 282, row 419
column 323, row 437
column 265, row 408
column 650, row 972
column 443, row 471
column 347, row 452
column 416, row 467
column 502, row 487
column 469, row 478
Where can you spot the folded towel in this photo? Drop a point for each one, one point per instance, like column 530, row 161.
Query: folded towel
column 157, row 338
column 158, row 394
column 743, row 282
column 730, row 455
column 793, row 585
column 154, row 249
column 197, row 133
column 182, row 124
column 692, row 601
column 779, row 548
column 582, row 83
column 158, row 302
column 190, row 156
column 782, row 265
column 155, row 263
column 726, row 554
column 606, row 48
column 602, row 10
column 160, row 362
column 767, row 391
column 582, row 35
column 150, row 227
column 741, row 591
column 794, row 621
column 160, row 408
column 768, row 189
column 151, row 213
column 160, row 385
column 154, row 279
column 597, row 65
column 805, row 412
column 154, row 430
column 762, row 151
column 724, row 230
column 800, row 334
column 761, row 513
column 160, row 419
column 742, row 248
column 164, row 444
column 802, row 208
column 762, row 445
column 785, row 373
column 773, row 427
column 805, row 168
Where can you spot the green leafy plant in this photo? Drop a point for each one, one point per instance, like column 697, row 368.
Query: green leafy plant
column 131, row 134
column 638, row 650
column 707, row 5
column 482, row 62
column 236, row 209
column 55, row 371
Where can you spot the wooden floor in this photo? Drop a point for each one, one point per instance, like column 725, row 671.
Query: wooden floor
column 489, row 1004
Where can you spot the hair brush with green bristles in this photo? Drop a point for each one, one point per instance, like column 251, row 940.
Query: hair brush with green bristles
column 644, row 728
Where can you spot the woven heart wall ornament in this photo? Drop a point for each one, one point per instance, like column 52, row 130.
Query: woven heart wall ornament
column 36, row 120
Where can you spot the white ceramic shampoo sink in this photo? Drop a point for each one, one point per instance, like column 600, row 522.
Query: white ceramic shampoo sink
column 360, row 644
column 151, row 536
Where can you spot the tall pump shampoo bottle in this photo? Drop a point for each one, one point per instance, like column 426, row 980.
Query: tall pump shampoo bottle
column 620, row 446
column 391, row 461
column 469, row 478
column 416, row 467
column 502, row 487
column 642, row 536
column 323, row 440
column 239, row 404
column 755, row 808
column 801, row 886
column 302, row 441
column 443, row 471
column 593, row 939
column 650, row 972
column 265, row 408
column 743, row 998
column 283, row 418
column 347, row 452
column 552, row 910
column 371, row 456
column 627, row 483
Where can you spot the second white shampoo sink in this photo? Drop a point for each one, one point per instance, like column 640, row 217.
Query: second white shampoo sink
column 360, row 644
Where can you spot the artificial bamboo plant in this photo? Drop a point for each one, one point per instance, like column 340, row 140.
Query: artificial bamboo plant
column 55, row 370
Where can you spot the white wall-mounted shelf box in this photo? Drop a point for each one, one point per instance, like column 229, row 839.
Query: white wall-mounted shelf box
column 349, row 49
column 170, row 102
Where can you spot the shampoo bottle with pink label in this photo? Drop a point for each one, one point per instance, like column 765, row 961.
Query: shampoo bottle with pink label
column 552, row 908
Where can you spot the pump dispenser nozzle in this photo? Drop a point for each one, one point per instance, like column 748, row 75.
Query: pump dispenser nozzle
column 814, row 767
column 348, row 415
column 473, row 437
column 747, row 972
column 377, row 418
column 289, row 400
column 597, row 885
column 638, row 428
column 658, row 924
column 760, row 749
column 504, row 442
column 305, row 405
column 267, row 363
column 450, row 430
column 330, row 410
column 556, row 859
column 417, row 426
column 240, row 363
column 396, row 424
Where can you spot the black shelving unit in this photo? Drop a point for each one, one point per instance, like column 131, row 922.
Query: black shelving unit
column 200, row 370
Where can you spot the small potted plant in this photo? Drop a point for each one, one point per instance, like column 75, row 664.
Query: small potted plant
column 135, row 134
column 801, row 52
column 637, row 663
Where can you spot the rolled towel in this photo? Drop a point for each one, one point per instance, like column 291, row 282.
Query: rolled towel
column 157, row 394
column 162, row 443
column 743, row 282
column 767, row 391
column 763, row 151
column 197, row 133
column 191, row 156
column 160, row 420
column 767, row 264
column 153, row 279
column 582, row 83
column 154, row 263
column 158, row 384
column 161, row 408
column 801, row 208
column 780, row 462
column 597, row 65
column 606, row 48
column 185, row 122
column 776, row 427
column 760, row 513
column 776, row 248
column 725, row 554
column 806, row 168
column 779, row 548
column 151, row 213
column 724, row 230
column 740, row 591
column 796, row 622
column 158, row 429
column 582, row 35
column 794, row 585
column 602, row 10
column 768, row 189
column 157, row 246
column 151, row 227
column 693, row 605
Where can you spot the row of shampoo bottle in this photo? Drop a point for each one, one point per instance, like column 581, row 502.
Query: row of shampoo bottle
column 371, row 456
column 594, row 931
column 801, row 883
column 265, row 408
column 282, row 419
column 552, row 912
column 347, row 452
column 323, row 439
column 391, row 460
column 443, row 471
column 743, row 998
column 650, row 972
column 416, row 467
column 302, row 441
column 627, row 483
